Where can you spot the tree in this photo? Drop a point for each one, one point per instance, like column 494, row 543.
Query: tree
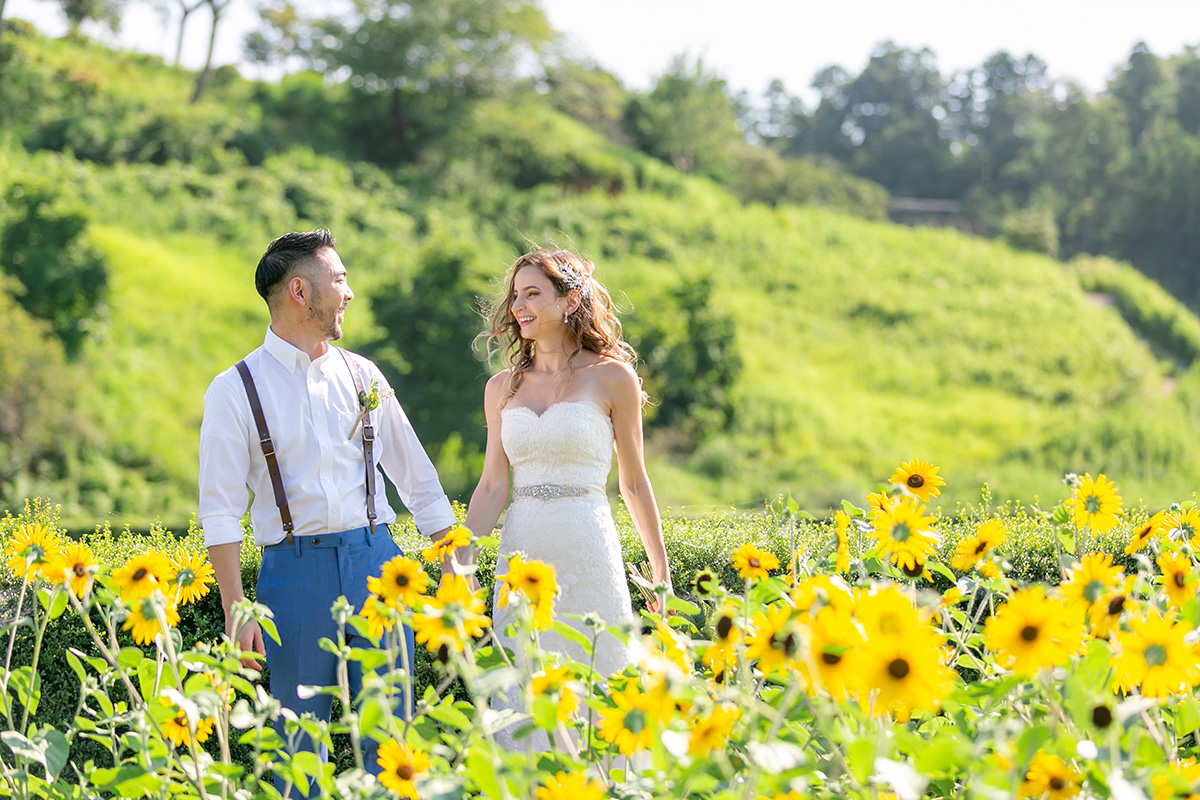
column 1138, row 87
column 1187, row 98
column 687, row 119
column 106, row 12
column 216, row 8
column 428, row 55
column 62, row 278
column 185, row 11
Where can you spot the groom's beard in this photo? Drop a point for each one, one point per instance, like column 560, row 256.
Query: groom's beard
column 325, row 315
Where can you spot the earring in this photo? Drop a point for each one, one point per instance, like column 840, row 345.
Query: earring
column 566, row 318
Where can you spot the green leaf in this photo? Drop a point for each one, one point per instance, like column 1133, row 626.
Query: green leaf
column 450, row 715
column 571, row 635
column 370, row 715
column 26, row 686
column 941, row 569
column 860, row 756
column 54, row 601
column 371, row 659
column 681, row 606
column 129, row 657
column 56, row 748
column 75, row 664
column 482, row 771
column 22, row 747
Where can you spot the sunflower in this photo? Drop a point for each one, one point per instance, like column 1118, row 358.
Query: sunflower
column 193, row 576
column 1154, row 657
column 1183, row 525
column 706, row 583
column 1154, row 528
column 403, row 583
column 1176, row 576
column 712, row 732
column 834, row 636
column 379, row 615
column 400, row 765
column 1050, row 777
column 952, row 596
column 672, row 646
column 1105, row 616
column 1095, row 504
column 142, row 622
column 721, row 655
column 919, row 478
column 970, row 550
column 841, row 526
column 32, row 549
column 1031, row 632
column 904, row 674
column 142, row 574
column 1091, row 579
column 879, row 503
column 456, row 537
column 754, row 563
column 535, row 580
column 547, row 681
column 627, row 723
column 453, row 615
column 177, row 730
column 988, row 569
column 75, row 566
column 574, row 786
column 1179, row 781
column 904, row 536
column 888, row 613
column 818, row 591
column 776, row 640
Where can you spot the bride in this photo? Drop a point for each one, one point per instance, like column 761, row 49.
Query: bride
column 569, row 394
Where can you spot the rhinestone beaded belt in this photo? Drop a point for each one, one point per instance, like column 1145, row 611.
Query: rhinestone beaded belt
column 551, row 491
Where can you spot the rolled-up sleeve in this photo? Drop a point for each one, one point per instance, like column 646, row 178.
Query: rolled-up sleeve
column 224, row 465
column 409, row 468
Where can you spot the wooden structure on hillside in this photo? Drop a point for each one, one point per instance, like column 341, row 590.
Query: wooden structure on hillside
column 933, row 213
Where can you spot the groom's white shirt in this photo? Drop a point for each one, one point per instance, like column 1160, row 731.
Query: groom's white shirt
column 310, row 408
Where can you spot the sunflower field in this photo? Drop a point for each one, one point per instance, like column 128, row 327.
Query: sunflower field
column 890, row 651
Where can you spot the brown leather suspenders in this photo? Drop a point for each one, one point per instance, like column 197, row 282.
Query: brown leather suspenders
column 268, row 448
column 368, row 439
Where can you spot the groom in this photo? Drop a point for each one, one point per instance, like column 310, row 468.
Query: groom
column 285, row 424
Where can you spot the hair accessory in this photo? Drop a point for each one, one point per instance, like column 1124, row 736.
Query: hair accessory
column 574, row 279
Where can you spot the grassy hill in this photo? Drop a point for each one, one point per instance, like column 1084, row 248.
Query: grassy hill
column 863, row 343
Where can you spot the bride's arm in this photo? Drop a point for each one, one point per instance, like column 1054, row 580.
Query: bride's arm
column 491, row 493
column 625, row 393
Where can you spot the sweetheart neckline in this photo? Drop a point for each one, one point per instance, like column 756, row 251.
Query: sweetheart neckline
column 547, row 409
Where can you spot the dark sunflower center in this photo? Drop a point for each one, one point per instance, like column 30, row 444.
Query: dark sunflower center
column 533, row 580
column 1145, row 532
column 753, row 562
column 443, row 654
column 141, row 573
column 980, row 548
column 1155, row 655
column 901, row 532
column 1091, row 504
column 899, row 668
column 1057, row 784
column 1029, row 633
column 402, row 580
column 405, row 772
column 1179, row 580
column 80, row 570
column 1102, row 716
column 832, row 659
column 1116, row 605
column 914, row 571
column 724, row 627
column 785, row 644
column 915, row 481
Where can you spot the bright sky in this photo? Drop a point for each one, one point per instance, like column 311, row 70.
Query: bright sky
column 749, row 42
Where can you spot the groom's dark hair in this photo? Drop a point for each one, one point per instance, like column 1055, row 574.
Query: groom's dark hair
column 284, row 255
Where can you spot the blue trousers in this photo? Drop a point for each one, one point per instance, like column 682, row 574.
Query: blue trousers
column 299, row 582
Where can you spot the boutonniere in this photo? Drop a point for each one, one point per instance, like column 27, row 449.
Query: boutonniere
column 369, row 400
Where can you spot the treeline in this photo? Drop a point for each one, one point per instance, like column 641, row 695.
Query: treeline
column 1030, row 157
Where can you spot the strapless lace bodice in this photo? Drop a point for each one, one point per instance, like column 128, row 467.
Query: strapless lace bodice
column 569, row 444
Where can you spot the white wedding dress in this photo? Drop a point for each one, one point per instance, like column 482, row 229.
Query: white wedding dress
column 560, row 515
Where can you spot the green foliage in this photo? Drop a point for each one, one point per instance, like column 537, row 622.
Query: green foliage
column 687, row 120
column 1032, row 229
column 62, row 278
column 762, row 176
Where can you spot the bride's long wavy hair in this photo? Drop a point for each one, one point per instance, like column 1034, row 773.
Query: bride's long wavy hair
column 593, row 326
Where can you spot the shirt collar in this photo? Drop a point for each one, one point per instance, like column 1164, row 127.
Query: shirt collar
column 287, row 354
